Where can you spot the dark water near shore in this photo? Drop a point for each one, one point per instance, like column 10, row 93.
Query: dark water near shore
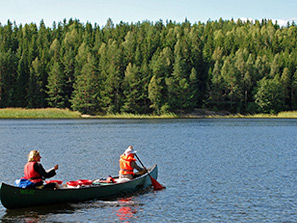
column 215, row 170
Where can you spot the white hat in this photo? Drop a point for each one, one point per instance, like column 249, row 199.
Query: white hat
column 129, row 151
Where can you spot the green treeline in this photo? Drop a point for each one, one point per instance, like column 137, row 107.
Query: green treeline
column 145, row 68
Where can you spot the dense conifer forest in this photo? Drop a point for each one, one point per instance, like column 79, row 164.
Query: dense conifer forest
column 150, row 67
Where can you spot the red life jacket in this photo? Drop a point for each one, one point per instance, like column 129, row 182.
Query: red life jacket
column 125, row 164
column 31, row 174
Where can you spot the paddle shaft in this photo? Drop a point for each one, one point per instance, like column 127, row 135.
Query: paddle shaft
column 139, row 160
column 155, row 183
column 142, row 164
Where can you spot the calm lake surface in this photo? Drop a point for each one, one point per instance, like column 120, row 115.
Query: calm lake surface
column 214, row 170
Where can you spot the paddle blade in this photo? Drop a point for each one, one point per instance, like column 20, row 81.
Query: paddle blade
column 156, row 184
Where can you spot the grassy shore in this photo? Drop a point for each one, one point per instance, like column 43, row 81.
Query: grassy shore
column 41, row 113
column 132, row 116
column 289, row 114
column 55, row 113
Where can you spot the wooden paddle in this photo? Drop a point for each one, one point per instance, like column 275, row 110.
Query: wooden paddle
column 155, row 183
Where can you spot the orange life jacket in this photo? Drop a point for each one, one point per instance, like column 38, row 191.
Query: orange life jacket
column 125, row 164
column 31, row 174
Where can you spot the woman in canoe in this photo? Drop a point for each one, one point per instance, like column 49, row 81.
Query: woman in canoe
column 128, row 164
column 35, row 172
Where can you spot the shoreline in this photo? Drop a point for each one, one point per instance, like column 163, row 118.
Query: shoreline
column 56, row 113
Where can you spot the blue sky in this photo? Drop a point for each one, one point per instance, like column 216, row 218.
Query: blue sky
column 98, row 11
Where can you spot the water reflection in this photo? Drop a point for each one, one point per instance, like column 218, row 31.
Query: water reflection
column 127, row 210
column 35, row 214
column 123, row 209
column 32, row 218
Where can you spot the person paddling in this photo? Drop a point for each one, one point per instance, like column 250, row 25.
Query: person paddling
column 35, row 172
column 128, row 164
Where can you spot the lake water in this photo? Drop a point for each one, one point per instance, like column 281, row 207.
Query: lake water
column 214, row 170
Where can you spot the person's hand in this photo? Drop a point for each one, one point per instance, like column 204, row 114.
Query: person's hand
column 56, row 167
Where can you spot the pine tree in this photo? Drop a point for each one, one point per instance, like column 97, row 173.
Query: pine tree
column 132, row 90
column 286, row 84
column 23, row 74
column 8, row 73
column 294, row 91
column 43, row 44
column 86, row 98
column 56, row 78
column 113, row 77
column 35, row 96
column 270, row 95
column 155, row 94
column 55, row 86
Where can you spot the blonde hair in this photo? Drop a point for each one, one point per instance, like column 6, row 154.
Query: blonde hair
column 32, row 155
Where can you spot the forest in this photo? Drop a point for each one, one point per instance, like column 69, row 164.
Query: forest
column 148, row 67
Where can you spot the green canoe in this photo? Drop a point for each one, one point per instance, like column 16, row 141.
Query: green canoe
column 15, row 197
